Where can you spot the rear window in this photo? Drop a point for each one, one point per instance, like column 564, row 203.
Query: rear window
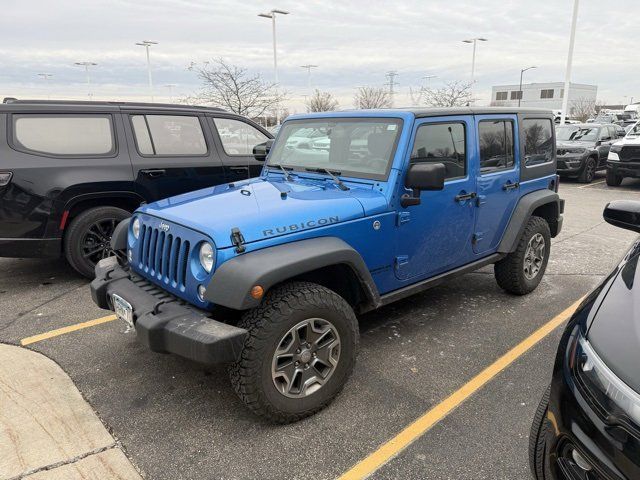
column 538, row 141
column 74, row 135
column 169, row 135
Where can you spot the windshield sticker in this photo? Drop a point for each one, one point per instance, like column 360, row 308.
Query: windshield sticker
column 270, row 232
column 392, row 126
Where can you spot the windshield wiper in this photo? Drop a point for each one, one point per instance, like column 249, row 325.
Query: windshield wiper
column 287, row 175
column 337, row 181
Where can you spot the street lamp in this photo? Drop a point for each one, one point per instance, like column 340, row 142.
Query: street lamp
column 428, row 79
column 567, row 77
column 520, row 89
column 86, row 66
column 46, row 77
column 272, row 15
column 309, row 67
column 146, row 44
column 473, row 59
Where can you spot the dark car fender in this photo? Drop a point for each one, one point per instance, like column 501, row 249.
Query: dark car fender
column 231, row 284
column 544, row 203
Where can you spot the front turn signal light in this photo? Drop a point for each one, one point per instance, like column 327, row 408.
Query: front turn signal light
column 5, row 178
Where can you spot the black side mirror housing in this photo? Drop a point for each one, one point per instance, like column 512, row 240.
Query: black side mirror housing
column 624, row 214
column 261, row 150
column 422, row 176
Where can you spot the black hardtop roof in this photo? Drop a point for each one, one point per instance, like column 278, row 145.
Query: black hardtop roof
column 11, row 104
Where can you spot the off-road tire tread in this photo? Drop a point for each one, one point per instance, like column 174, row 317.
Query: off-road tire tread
column 74, row 230
column 613, row 180
column 508, row 271
column 537, row 447
column 276, row 305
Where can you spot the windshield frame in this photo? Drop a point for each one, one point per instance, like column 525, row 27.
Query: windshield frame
column 343, row 173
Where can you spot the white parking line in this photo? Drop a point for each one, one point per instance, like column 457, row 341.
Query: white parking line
column 592, row 184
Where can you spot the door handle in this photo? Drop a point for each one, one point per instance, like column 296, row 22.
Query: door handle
column 510, row 186
column 463, row 197
column 154, row 172
column 239, row 169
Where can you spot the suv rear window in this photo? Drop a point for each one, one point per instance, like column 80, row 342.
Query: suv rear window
column 538, row 141
column 168, row 135
column 66, row 134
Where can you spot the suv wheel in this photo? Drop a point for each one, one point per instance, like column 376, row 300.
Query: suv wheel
column 299, row 353
column 588, row 171
column 613, row 180
column 520, row 272
column 538, row 460
column 88, row 238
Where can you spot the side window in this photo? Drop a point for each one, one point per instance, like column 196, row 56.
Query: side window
column 237, row 137
column 538, row 141
column 546, row 93
column 168, row 135
column 442, row 143
column 496, row 145
column 516, row 95
column 73, row 135
column 501, row 95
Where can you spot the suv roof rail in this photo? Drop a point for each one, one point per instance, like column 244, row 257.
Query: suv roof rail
column 113, row 103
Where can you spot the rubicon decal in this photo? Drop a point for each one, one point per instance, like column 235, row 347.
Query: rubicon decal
column 295, row 227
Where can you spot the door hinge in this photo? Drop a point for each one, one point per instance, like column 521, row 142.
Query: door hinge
column 477, row 238
column 237, row 239
column 401, row 261
column 481, row 200
column 403, row 217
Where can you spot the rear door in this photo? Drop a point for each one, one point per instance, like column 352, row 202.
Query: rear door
column 606, row 138
column 236, row 138
column 498, row 178
column 171, row 153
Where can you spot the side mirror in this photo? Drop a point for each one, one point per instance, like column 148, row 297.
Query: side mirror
column 422, row 176
column 621, row 133
column 261, row 150
column 623, row 214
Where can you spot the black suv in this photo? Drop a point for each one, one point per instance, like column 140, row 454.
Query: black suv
column 583, row 148
column 70, row 171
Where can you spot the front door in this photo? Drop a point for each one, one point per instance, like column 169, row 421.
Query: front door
column 435, row 236
column 498, row 178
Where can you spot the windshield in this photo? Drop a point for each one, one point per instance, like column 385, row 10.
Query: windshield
column 577, row 134
column 634, row 131
column 361, row 147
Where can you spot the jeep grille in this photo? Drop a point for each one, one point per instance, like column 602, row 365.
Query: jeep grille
column 163, row 256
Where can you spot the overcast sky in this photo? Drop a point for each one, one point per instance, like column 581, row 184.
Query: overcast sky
column 354, row 43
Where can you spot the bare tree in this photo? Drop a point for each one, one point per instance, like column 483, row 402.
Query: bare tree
column 235, row 89
column 321, row 102
column 583, row 108
column 452, row 94
column 372, row 97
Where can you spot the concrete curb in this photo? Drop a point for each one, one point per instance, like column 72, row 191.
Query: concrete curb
column 47, row 430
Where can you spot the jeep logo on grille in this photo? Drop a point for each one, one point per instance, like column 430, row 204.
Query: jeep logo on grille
column 164, row 227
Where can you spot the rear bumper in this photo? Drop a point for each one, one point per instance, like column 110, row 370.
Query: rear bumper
column 164, row 323
column 30, row 247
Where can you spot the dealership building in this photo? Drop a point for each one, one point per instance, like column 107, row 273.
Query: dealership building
column 542, row 95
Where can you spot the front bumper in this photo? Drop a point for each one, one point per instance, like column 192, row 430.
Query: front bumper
column 609, row 449
column 625, row 169
column 570, row 165
column 164, row 323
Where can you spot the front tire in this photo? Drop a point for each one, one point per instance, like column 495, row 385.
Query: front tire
column 588, row 171
column 87, row 239
column 613, row 180
column 299, row 353
column 521, row 271
column 538, row 460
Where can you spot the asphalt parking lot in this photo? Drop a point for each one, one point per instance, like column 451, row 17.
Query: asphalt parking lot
column 177, row 419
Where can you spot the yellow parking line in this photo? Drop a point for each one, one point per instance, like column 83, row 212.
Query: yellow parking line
column 592, row 184
column 423, row 424
column 68, row 329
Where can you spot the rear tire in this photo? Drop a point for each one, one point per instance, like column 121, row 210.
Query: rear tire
column 520, row 272
column 538, row 460
column 87, row 239
column 613, row 180
column 282, row 375
column 588, row 171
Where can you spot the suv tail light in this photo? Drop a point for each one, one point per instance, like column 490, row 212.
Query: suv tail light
column 5, row 178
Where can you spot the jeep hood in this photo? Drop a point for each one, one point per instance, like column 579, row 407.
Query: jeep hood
column 263, row 208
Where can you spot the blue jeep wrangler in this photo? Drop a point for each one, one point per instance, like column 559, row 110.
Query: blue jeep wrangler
column 353, row 210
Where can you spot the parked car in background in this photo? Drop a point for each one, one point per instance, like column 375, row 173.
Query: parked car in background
column 624, row 157
column 583, row 149
column 587, row 425
column 70, row 171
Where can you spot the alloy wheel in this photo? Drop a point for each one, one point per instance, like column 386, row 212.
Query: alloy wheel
column 534, row 256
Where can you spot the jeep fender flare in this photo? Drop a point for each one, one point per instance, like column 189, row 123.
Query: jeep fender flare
column 119, row 236
column 231, row 284
column 523, row 211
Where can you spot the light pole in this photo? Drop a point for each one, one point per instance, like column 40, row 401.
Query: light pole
column 272, row 16
column 309, row 67
column 86, row 66
column 428, row 79
column 520, row 89
column 567, row 77
column 171, row 86
column 46, row 77
column 146, row 44
column 473, row 60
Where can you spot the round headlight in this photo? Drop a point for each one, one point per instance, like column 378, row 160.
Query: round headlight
column 135, row 227
column 206, row 256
